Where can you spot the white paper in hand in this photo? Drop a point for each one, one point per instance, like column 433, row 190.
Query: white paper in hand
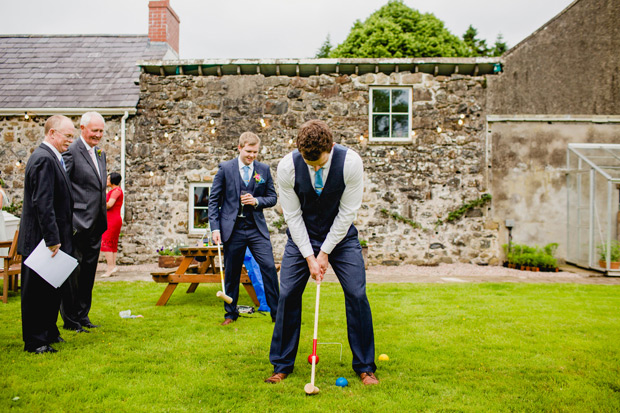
column 53, row 270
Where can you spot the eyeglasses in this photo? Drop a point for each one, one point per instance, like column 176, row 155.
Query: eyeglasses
column 69, row 136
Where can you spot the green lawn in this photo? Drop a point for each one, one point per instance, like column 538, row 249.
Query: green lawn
column 463, row 347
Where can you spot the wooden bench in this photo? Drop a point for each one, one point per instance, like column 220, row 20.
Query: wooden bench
column 194, row 274
column 12, row 267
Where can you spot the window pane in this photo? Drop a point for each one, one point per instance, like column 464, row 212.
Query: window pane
column 381, row 100
column 201, row 217
column 380, row 126
column 400, row 126
column 201, row 203
column 400, row 100
column 201, row 196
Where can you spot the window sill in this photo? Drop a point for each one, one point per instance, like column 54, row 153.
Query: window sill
column 383, row 141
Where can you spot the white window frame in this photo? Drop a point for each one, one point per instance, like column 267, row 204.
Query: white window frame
column 190, row 215
column 371, row 113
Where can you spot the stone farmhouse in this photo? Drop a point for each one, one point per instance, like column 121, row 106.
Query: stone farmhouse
column 437, row 136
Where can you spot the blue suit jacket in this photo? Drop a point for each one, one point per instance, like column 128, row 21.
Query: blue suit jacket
column 224, row 200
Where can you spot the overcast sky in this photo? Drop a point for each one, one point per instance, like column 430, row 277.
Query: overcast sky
column 267, row 28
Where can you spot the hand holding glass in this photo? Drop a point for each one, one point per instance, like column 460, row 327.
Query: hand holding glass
column 243, row 192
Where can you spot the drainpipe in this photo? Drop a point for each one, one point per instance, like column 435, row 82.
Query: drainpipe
column 123, row 126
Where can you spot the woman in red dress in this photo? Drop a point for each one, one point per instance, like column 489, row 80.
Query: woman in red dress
column 109, row 239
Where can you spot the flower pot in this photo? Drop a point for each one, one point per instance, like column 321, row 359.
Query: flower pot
column 169, row 261
column 612, row 265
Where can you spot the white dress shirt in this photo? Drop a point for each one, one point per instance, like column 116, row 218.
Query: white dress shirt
column 91, row 152
column 241, row 165
column 350, row 202
column 56, row 152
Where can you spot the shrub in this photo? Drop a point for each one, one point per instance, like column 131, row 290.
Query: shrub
column 614, row 251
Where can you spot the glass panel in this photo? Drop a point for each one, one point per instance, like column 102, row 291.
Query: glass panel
column 201, row 202
column 381, row 126
column 201, row 196
column 201, row 217
column 400, row 126
column 381, row 100
column 400, row 100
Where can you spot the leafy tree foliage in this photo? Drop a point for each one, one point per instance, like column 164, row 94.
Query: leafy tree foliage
column 396, row 30
column 325, row 48
column 475, row 46
column 500, row 46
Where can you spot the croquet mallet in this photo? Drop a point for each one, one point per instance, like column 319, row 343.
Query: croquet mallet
column 222, row 294
column 310, row 388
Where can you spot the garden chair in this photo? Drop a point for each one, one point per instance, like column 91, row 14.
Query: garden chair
column 12, row 267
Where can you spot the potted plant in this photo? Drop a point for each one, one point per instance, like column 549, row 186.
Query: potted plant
column 364, row 245
column 614, row 254
column 169, row 257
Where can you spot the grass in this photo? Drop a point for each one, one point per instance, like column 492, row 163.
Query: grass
column 470, row 348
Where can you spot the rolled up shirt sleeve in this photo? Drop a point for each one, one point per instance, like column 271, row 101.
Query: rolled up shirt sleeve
column 350, row 202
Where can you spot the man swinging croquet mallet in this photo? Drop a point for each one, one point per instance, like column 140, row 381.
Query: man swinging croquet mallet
column 321, row 186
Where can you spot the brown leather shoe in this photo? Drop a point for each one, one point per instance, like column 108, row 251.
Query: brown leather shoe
column 276, row 378
column 228, row 321
column 369, row 378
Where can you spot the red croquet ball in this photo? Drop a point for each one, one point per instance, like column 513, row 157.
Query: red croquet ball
column 310, row 359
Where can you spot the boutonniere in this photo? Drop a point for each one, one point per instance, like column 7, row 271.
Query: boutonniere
column 99, row 152
column 259, row 179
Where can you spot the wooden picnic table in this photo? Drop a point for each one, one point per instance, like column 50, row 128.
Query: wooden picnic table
column 193, row 272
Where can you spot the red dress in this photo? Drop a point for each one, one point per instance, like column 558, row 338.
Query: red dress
column 109, row 239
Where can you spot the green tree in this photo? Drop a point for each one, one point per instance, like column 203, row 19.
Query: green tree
column 395, row 30
column 475, row 46
column 325, row 48
column 500, row 46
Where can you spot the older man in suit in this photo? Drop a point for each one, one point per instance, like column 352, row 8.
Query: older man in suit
column 241, row 189
column 46, row 214
column 86, row 167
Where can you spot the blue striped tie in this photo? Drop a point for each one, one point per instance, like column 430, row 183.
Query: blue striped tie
column 62, row 162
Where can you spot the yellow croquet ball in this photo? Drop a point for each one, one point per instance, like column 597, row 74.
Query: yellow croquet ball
column 384, row 357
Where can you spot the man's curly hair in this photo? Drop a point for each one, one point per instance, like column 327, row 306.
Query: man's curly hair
column 314, row 139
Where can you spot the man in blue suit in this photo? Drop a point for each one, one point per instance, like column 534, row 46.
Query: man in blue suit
column 321, row 186
column 238, row 221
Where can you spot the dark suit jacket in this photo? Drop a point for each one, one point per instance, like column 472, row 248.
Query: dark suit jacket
column 88, row 188
column 48, row 204
column 224, row 200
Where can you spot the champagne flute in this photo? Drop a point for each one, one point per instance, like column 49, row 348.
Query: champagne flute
column 243, row 192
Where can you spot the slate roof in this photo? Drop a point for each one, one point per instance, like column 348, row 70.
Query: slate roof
column 73, row 71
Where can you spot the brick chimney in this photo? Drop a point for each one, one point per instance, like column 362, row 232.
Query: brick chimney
column 164, row 24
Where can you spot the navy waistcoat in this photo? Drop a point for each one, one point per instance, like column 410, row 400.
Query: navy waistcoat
column 248, row 221
column 319, row 211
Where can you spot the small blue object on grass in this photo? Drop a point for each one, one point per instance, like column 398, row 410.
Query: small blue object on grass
column 342, row 382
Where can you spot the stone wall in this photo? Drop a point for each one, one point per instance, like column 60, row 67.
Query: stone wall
column 20, row 136
column 528, row 179
column 174, row 144
column 568, row 66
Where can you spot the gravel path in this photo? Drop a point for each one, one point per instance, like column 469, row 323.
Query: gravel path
column 445, row 273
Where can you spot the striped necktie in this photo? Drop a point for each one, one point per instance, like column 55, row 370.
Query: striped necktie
column 62, row 162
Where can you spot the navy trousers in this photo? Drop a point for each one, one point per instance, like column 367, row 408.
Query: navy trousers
column 348, row 264
column 234, row 253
